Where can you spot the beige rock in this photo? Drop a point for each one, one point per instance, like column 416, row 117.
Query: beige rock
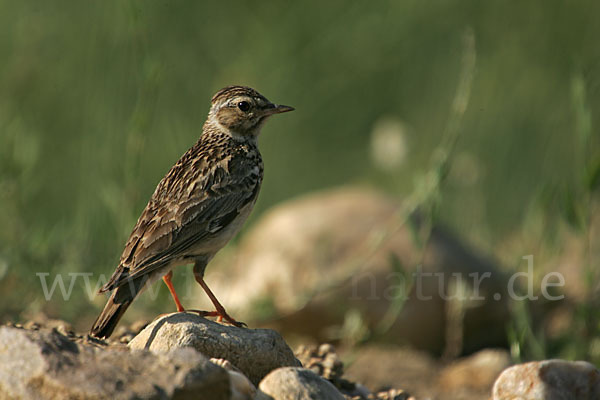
column 44, row 364
column 476, row 372
column 241, row 387
column 256, row 352
column 291, row 383
column 549, row 380
column 315, row 258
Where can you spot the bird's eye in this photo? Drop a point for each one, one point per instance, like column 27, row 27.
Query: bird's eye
column 243, row 105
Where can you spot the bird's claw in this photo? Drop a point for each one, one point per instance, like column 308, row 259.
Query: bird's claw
column 220, row 316
column 238, row 324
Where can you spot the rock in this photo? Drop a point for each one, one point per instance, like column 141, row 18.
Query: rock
column 292, row 383
column 44, row 364
column 323, row 360
column 256, row 352
column 308, row 256
column 61, row 326
column 241, row 387
column 478, row 372
column 393, row 394
column 549, row 380
column 360, row 392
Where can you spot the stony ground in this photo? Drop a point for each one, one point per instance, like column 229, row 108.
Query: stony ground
column 184, row 356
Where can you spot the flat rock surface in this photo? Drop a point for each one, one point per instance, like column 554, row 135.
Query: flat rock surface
column 44, row 364
column 256, row 352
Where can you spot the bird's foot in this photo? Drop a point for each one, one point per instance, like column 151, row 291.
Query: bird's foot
column 232, row 321
column 203, row 313
column 220, row 317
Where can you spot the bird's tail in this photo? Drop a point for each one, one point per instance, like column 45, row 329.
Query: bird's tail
column 114, row 309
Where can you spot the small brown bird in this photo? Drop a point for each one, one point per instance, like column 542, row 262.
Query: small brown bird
column 197, row 207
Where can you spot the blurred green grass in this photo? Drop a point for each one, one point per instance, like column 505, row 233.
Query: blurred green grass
column 99, row 99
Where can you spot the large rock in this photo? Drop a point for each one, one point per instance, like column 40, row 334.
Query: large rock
column 256, row 352
column 296, row 384
column 474, row 374
column 549, row 380
column 314, row 259
column 43, row 364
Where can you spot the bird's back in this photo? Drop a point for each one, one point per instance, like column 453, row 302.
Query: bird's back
column 196, row 208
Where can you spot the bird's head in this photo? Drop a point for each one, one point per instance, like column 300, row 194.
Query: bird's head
column 241, row 111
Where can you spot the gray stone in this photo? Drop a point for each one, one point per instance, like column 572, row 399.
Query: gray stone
column 309, row 256
column 44, row 364
column 549, row 380
column 255, row 352
column 296, row 384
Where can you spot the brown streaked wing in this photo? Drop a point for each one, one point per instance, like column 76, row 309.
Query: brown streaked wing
column 205, row 212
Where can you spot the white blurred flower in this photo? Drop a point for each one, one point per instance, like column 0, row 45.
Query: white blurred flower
column 388, row 143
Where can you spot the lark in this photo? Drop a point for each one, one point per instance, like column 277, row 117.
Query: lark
column 197, row 207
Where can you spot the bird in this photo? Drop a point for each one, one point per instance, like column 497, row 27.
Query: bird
column 197, row 207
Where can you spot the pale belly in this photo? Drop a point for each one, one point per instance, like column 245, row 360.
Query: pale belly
column 206, row 249
column 216, row 243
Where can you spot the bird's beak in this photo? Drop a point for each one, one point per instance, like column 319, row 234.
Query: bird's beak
column 271, row 109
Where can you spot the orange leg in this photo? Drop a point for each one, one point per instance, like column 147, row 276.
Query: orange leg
column 167, row 280
column 220, row 313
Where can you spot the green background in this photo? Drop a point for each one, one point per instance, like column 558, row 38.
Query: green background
column 99, row 99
